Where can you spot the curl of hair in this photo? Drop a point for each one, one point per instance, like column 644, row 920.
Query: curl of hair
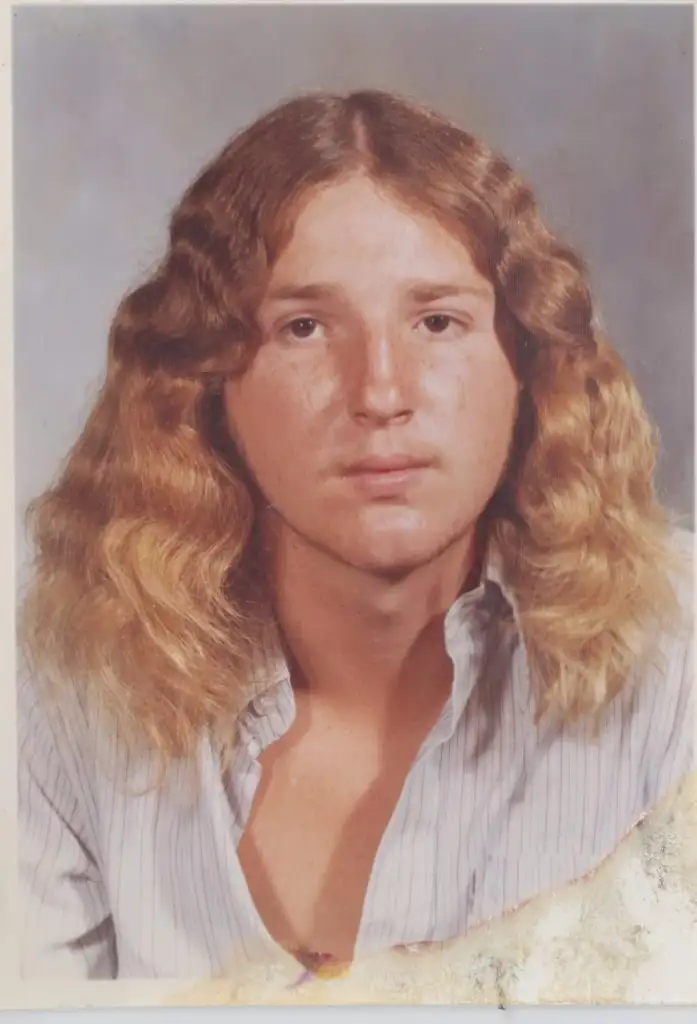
column 142, row 589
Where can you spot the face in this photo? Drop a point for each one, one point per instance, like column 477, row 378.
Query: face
column 377, row 414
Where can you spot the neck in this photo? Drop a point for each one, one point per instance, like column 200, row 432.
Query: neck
column 357, row 640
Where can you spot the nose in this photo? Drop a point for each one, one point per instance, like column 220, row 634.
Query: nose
column 383, row 380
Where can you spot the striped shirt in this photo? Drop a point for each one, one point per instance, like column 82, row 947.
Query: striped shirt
column 116, row 882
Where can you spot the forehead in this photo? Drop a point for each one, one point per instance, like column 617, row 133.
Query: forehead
column 356, row 219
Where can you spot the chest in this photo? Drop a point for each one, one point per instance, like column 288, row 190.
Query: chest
column 323, row 804
column 344, row 846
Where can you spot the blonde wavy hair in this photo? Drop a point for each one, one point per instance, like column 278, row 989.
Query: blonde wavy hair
column 143, row 590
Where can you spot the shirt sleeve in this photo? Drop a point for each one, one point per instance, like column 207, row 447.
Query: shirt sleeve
column 65, row 927
column 673, row 724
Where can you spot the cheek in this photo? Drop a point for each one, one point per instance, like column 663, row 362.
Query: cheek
column 485, row 396
column 273, row 417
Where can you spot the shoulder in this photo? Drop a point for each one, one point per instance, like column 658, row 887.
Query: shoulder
column 64, row 739
column 53, row 733
column 48, row 708
column 68, row 739
column 682, row 543
column 676, row 641
column 664, row 691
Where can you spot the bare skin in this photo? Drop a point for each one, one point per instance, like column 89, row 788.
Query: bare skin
column 362, row 568
column 330, row 785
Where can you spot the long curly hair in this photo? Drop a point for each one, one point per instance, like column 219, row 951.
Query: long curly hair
column 143, row 590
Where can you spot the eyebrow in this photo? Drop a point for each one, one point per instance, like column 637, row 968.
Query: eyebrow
column 419, row 291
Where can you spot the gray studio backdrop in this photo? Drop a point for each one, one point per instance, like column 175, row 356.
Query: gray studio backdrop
column 116, row 109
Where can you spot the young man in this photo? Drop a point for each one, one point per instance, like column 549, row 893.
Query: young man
column 355, row 597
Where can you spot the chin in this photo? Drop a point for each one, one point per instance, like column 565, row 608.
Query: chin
column 394, row 554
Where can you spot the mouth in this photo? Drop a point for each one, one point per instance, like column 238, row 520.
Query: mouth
column 386, row 477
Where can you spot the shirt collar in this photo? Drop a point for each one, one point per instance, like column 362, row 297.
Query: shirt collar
column 470, row 627
column 492, row 591
column 466, row 624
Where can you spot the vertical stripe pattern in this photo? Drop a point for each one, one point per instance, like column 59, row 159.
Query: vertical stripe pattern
column 493, row 811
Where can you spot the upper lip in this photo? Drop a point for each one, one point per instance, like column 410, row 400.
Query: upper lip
column 386, row 464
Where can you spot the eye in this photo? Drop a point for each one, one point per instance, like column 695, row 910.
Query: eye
column 437, row 322
column 301, row 327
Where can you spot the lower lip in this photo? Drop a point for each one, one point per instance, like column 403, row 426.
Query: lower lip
column 386, row 483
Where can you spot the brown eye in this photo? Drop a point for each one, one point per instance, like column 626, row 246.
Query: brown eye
column 437, row 322
column 302, row 327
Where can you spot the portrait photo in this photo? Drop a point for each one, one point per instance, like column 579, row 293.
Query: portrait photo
column 354, row 502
